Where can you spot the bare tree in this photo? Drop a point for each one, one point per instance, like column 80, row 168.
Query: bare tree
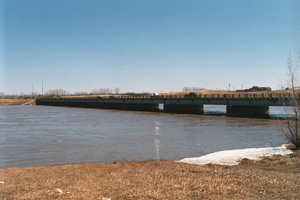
column 2, row 95
column 57, row 92
column 102, row 91
column 185, row 89
column 117, row 90
column 292, row 129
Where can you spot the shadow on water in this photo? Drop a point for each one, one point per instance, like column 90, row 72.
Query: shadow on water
column 275, row 112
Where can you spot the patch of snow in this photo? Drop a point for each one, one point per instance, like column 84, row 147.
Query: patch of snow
column 59, row 190
column 2, row 182
column 233, row 157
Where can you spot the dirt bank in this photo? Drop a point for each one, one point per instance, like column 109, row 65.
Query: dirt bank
column 277, row 177
column 14, row 102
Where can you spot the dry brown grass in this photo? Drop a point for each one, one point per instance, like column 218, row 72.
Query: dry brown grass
column 200, row 92
column 13, row 102
column 272, row 178
column 182, row 93
column 222, row 92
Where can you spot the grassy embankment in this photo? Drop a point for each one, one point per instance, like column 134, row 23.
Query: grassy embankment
column 14, row 102
column 277, row 177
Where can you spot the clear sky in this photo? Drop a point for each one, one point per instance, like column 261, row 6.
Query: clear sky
column 145, row 45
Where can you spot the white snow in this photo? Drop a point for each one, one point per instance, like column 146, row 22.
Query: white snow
column 59, row 190
column 233, row 157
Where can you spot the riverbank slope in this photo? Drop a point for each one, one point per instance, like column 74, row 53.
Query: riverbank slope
column 276, row 177
column 16, row 102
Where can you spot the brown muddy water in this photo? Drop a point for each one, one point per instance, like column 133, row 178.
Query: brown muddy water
column 45, row 135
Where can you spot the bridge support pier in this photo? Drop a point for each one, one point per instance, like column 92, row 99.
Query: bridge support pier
column 183, row 109
column 247, row 111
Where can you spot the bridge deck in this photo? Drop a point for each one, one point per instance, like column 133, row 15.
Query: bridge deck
column 239, row 99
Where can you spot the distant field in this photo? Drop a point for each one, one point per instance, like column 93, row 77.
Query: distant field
column 13, row 102
column 200, row 92
column 222, row 92
column 184, row 92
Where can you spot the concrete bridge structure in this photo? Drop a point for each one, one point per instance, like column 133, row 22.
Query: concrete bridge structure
column 238, row 104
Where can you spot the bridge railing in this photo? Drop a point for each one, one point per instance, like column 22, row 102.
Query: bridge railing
column 266, row 95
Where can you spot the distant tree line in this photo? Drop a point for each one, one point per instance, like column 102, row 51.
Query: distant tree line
column 18, row 96
column 59, row 92
column 102, row 91
column 185, row 89
column 2, row 95
column 105, row 91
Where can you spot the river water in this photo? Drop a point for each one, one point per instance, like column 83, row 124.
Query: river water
column 45, row 135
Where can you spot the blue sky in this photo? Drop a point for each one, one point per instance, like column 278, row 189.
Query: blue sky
column 145, row 45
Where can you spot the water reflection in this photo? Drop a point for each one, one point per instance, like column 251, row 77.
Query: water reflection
column 156, row 140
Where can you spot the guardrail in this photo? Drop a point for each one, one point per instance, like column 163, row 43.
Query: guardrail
column 265, row 96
